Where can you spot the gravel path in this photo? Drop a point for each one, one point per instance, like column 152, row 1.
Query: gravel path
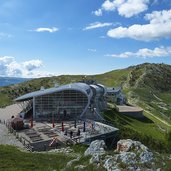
column 7, row 112
column 8, row 138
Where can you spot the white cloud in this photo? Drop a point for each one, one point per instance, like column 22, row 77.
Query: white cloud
column 11, row 68
column 46, row 29
column 159, row 16
column 132, row 7
column 92, row 50
column 145, row 53
column 97, row 25
column 126, row 8
column 109, row 6
column 98, row 12
column 159, row 27
column 14, row 69
column 38, row 74
column 5, row 35
column 4, row 61
column 32, row 64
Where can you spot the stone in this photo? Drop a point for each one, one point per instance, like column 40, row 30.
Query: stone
column 79, row 167
column 130, row 168
column 124, row 145
column 138, row 169
column 130, row 145
column 72, row 161
column 146, row 156
column 66, row 150
column 132, row 155
column 95, row 159
column 110, row 164
column 96, row 147
column 127, row 157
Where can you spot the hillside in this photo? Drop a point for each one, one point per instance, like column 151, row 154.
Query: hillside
column 147, row 85
column 154, row 76
column 8, row 93
column 5, row 81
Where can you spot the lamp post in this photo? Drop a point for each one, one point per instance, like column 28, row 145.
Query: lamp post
column 84, row 129
column 31, row 122
column 53, row 124
column 75, row 123
column 62, row 126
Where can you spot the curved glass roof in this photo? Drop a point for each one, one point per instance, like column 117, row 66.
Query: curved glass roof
column 74, row 86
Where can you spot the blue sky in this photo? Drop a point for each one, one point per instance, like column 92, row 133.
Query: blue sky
column 54, row 37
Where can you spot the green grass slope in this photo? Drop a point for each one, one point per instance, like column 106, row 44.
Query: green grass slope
column 144, row 130
column 154, row 76
column 13, row 159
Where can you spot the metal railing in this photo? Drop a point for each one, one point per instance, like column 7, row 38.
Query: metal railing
column 26, row 143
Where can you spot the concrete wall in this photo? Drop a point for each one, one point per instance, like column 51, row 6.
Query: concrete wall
column 133, row 114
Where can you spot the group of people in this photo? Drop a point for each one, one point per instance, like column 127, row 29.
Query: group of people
column 71, row 133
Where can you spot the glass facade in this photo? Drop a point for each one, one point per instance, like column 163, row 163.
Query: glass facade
column 60, row 105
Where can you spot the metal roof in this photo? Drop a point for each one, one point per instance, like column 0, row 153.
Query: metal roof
column 97, row 88
column 74, row 86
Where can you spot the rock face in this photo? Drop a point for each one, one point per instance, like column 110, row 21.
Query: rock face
column 131, row 155
column 128, row 145
column 95, row 159
column 124, row 145
column 96, row 148
column 143, row 153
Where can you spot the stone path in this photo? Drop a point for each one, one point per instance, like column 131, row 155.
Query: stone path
column 7, row 138
column 7, row 112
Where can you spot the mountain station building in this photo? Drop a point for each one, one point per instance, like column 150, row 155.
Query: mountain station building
column 76, row 100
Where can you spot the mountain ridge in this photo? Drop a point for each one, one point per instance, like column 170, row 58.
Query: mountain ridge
column 154, row 76
column 141, row 84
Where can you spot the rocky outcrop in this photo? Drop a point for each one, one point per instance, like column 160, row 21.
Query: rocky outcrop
column 132, row 155
column 128, row 145
column 129, row 155
column 96, row 148
column 143, row 154
column 95, row 159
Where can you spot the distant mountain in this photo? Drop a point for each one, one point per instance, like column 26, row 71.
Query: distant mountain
column 5, row 81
